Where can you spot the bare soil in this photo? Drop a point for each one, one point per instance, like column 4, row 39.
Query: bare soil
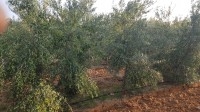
column 173, row 98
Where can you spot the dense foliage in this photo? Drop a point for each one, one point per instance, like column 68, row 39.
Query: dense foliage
column 183, row 62
column 46, row 53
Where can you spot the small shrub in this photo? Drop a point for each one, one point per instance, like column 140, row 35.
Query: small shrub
column 87, row 86
column 42, row 99
column 139, row 74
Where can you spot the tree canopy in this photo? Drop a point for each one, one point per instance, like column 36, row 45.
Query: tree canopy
column 60, row 41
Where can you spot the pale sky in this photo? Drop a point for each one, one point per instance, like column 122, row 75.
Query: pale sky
column 180, row 8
